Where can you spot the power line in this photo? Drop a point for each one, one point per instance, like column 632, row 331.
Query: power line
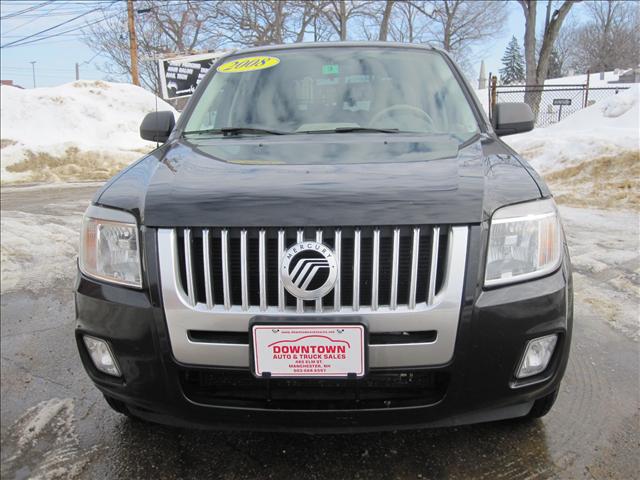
column 51, row 69
column 23, row 41
column 61, row 35
column 43, row 14
column 53, row 12
column 46, row 15
column 66, row 2
column 29, row 9
column 39, row 39
column 54, row 41
column 48, row 29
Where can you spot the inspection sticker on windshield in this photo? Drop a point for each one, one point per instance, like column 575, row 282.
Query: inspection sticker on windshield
column 248, row 64
column 330, row 69
column 309, row 350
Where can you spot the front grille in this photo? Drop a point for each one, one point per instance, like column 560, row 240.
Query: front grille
column 378, row 390
column 384, row 267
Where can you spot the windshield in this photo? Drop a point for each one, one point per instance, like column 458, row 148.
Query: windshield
column 342, row 90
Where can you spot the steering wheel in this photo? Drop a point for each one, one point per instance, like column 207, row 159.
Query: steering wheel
column 409, row 109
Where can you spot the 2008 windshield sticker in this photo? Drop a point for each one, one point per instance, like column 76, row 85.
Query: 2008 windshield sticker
column 248, row 64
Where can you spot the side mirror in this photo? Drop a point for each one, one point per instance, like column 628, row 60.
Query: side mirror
column 157, row 126
column 510, row 118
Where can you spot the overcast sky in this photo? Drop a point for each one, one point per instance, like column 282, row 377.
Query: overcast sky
column 56, row 57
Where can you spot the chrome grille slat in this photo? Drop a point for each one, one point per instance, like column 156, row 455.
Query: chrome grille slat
column 244, row 282
column 337, row 250
column 319, row 300
column 299, row 302
column 379, row 269
column 435, row 245
column 262, row 260
column 281, row 250
column 356, row 271
column 415, row 250
column 206, row 258
column 375, row 269
column 395, row 258
column 226, row 287
column 188, row 265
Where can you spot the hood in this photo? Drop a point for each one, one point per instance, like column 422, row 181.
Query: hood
column 298, row 181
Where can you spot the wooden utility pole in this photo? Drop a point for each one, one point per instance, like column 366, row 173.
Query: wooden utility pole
column 133, row 44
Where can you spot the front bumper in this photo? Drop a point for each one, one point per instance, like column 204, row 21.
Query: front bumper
column 494, row 327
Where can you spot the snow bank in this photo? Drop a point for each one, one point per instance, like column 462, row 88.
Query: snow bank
column 593, row 156
column 37, row 249
column 606, row 128
column 84, row 130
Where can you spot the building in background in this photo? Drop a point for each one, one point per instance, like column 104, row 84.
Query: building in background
column 9, row 83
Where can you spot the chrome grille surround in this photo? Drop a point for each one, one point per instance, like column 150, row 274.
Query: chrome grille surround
column 439, row 312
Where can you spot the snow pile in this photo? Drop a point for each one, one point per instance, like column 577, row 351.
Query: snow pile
column 604, row 246
column 616, row 106
column 605, row 128
column 593, row 156
column 37, row 250
column 84, row 130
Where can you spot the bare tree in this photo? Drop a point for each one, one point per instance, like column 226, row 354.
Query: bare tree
column 537, row 69
column 305, row 18
column 265, row 22
column 609, row 39
column 187, row 26
column 338, row 13
column 408, row 23
column 165, row 27
column 373, row 21
column 458, row 26
column 386, row 19
column 565, row 47
column 252, row 22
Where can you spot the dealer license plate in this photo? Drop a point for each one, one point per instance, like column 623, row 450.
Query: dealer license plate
column 309, row 350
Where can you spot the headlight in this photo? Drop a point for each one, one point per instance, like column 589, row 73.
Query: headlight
column 524, row 242
column 109, row 247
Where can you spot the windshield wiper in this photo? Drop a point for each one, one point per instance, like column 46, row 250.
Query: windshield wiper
column 353, row 130
column 230, row 131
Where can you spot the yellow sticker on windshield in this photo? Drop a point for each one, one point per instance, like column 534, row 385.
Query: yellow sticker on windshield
column 248, row 64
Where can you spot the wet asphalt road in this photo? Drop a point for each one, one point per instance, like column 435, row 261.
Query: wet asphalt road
column 55, row 424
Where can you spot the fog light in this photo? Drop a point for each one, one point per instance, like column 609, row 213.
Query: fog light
column 537, row 355
column 101, row 355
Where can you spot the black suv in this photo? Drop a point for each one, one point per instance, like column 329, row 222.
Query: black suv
column 332, row 237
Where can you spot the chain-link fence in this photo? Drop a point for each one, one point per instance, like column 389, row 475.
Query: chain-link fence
column 556, row 101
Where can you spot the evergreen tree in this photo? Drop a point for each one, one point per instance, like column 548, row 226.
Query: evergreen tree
column 513, row 69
